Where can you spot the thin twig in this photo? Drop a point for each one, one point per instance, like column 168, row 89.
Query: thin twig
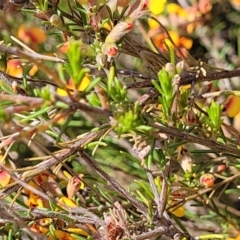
column 111, row 181
column 154, row 233
column 10, row 80
column 15, row 51
column 47, row 164
column 203, row 191
column 211, row 76
column 164, row 190
column 188, row 78
column 37, row 213
column 195, row 139
column 36, row 59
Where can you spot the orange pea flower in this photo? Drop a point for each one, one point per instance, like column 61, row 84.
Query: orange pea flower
column 47, row 181
column 83, row 85
column 180, row 42
column 31, row 35
column 4, row 178
column 14, row 68
column 34, row 201
column 57, row 234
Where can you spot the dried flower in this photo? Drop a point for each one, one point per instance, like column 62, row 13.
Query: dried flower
column 184, row 159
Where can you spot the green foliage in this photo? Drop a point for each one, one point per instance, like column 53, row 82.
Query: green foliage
column 110, row 129
column 214, row 111
column 165, row 88
column 75, row 62
column 128, row 120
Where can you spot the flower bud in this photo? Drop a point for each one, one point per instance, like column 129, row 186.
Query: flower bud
column 170, row 68
column 207, row 180
column 180, row 67
column 218, row 169
column 119, row 31
column 101, row 59
column 110, row 49
column 56, row 21
column 137, row 10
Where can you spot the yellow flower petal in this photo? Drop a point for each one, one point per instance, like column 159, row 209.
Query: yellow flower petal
column 179, row 212
column 61, row 92
column 78, row 231
column 233, row 106
column 84, row 83
column 152, row 23
column 67, row 201
column 186, row 42
column 61, row 235
column 156, row 6
column 33, row 70
column 175, row 8
column 175, row 37
column 107, row 26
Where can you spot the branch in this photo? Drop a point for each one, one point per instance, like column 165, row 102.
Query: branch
column 211, row 76
column 188, row 78
column 10, row 80
column 37, row 213
column 47, row 164
column 195, row 139
column 15, row 51
column 167, row 226
column 36, row 59
column 111, row 181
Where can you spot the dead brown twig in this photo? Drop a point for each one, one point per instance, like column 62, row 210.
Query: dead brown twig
column 47, row 164
column 167, row 227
